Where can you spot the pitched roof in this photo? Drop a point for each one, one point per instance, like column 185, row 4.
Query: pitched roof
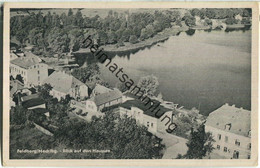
column 25, row 62
column 15, row 85
column 32, row 96
column 40, row 110
column 107, row 97
column 33, row 102
column 101, row 89
column 147, row 109
column 239, row 118
column 62, row 82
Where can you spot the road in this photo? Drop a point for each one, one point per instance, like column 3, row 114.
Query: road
column 174, row 145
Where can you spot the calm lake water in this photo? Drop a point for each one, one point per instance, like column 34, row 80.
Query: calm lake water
column 201, row 69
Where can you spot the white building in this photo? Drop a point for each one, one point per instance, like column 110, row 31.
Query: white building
column 155, row 120
column 100, row 101
column 31, row 68
column 99, row 89
column 231, row 128
column 64, row 84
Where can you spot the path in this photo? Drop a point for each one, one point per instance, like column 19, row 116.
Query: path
column 174, row 145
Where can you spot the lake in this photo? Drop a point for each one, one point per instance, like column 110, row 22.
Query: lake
column 195, row 69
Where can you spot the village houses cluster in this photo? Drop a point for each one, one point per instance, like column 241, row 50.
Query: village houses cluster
column 229, row 125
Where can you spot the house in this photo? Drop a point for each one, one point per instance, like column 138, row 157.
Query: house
column 11, row 103
column 231, row 129
column 64, row 84
column 33, row 102
column 18, row 87
column 15, row 85
column 154, row 120
column 99, row 89
column 128, row 96
column 238, row 17
column 100, row 101
column 13, row 56
column 40, row 111
column 31, row 68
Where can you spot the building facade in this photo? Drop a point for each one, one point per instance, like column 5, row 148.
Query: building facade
column 153, row 121
column 32, row 70
column 105, row 100
column 65, row 84
column 231, row 129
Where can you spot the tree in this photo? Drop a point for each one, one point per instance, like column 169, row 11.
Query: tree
column 79, row 19
column 87, row 73
column 195, row 12
column 157, row 26
column 44, row 91
column 19, row 78
column 121, row 86
column 126, row 35
column 189, row 20
column 70, row 13
column 21, row 35
column 18, row 115
column 210, row 13
column 121, row 135
column 103, row 39
column 76, row 36
column 148, row 84
column 208, row 22
column 133, row 39
column 120, row 43
column 112, row 38
column 231, row 21
column 200, row 144
column 35, row 35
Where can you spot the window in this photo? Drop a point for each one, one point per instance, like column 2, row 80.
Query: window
column 249, row 146
column 237, row 142
column 236, row 154
column 219, row 136
column 226, row 138
column 225, row 149
column 151, row 124
column 38, row 78
column 227, row 126
column 38, row 72
column 248, row 156
column 147, row 124
column 218, row 147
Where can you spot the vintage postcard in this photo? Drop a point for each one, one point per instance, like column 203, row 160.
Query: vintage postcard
column 131, row 84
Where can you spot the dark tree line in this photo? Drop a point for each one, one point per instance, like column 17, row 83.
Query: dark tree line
column 56, row 34
column 53, row 33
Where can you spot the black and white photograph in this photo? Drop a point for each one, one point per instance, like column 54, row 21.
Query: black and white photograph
column 169, row 83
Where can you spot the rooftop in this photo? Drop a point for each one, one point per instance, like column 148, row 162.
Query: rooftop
column 107, row 97
column 15, row 85
column 32, row 96
column 238, row 118
column 62, row 82
column 145, row 108
column 33, row 102
column 25, row 62
column 101, row 89
column 40, row 110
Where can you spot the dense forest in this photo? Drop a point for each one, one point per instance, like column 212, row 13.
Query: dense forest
column 56, row 34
